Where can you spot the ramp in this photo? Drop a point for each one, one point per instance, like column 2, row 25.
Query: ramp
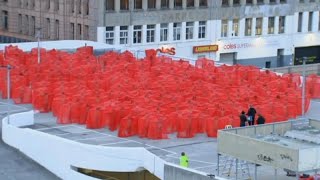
column 314, row 110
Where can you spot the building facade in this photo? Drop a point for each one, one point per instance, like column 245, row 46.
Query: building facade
column 23, row 20
column 266, row 33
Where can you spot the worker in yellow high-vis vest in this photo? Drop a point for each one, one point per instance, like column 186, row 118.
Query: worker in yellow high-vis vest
column 184, row 160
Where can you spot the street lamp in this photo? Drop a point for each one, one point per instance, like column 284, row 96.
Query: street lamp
column 38, row 36
column 304, row 59
column 8, row 67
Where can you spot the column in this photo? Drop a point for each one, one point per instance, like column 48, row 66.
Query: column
column 157, row 34
column 196, row 3
column 242, row 26
column 183, row 31
column 230, row 23
column 195, row 29
column 265, row 22
column 315, row 22
column 305, row 21
column 158, row 4
column 184, row 4
column 130, row 35
column 276, row 25
column 253, row 29
column 144, row 34
column 170, row 32
column 171, row 4
column 117, row 35
column 116, row 5
column 144, row 4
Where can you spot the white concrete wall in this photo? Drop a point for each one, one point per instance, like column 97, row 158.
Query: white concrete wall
column 309, row 159
column 58, row 154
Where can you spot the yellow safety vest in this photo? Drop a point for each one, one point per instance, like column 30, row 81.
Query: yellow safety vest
column 184, row 161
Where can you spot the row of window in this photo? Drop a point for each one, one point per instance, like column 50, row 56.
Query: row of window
column 27, row 26
column 310, row 21
column 249, row 2
column 150, row 33
column 151, row 4
column 248, row 28
column 76, row 6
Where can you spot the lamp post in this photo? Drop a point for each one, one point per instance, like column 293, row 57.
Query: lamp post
column 304, row 59
column 8, row 67
column 38, row 35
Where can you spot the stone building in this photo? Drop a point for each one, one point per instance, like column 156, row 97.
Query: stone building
column 20, row 20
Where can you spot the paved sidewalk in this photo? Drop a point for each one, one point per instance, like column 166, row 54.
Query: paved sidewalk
column 16, row 166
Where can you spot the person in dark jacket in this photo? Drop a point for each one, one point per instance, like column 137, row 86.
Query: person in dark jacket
column 261, row 119
column 243, row 119
column 251, row 115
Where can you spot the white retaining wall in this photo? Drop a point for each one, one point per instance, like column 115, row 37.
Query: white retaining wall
column 58, row 154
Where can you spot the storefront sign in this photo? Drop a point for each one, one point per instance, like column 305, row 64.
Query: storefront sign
column 204, row 49
column 170, row 51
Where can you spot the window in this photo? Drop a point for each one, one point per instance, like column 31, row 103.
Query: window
column 138, row 4
column 235, row 27
column 150, row 33
column 300, row 19
column 176, row 31
column 33, row 26
column 249, row 2
column 48, row 28
column 259, row 1
column 189, row 30
column 310, row 21
column 71, row 30
column 86, row 7
column 72, row 6
column 283, row 1
column 271, row 25
column 202, row 29
column 109, row 5
column 5, row 20
column 273, row 1
column 32, row 4
column 312, row 1
column 56, row 29
column 203, row 3
column 301, row 1
column 151, row 4
column 137, row 34
column 164, row 4
column 124, row 5
column 163, row 32
column 48, row 4
column 109, row 34
column 236, row 2
column 177, row 4
column 79, row 31
column 56, row 5
column 86, row 32
column 248, row 26
column 282, row 22
column 19, row 23
column 225, row 2
column 79, row 6
column 26, row 24
column 259, row 22
column 224, row 28
column 123, row 34
column 190, row 3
